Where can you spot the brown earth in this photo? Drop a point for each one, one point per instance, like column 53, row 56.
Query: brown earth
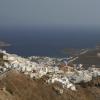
column 16, row 86
column 89, row 58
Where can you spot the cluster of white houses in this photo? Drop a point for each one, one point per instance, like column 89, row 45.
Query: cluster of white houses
column 38, row 67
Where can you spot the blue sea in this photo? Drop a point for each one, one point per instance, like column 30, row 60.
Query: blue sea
column 48, row 42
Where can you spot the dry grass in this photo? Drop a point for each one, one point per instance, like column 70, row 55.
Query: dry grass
column 20, row 87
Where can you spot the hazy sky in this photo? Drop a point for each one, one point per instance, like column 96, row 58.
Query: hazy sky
column 49, row 12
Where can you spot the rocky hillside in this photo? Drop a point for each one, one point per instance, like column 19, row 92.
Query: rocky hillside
column 17, row 86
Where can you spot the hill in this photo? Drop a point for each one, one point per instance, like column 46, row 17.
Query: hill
column 17, row 86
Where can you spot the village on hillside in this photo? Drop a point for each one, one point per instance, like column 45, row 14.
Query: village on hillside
column 66, row 71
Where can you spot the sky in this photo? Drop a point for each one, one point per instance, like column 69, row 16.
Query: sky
column 14, row 13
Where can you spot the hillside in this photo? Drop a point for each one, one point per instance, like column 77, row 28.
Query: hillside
column 17, row 86
column 92, row 57
column 45, row 78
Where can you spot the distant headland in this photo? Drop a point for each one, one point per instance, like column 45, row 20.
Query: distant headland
column 4, row 44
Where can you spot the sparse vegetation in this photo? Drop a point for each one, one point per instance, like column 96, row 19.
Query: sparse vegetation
column 21, row 87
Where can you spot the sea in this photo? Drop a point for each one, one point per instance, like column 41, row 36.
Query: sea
column 48, row 41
